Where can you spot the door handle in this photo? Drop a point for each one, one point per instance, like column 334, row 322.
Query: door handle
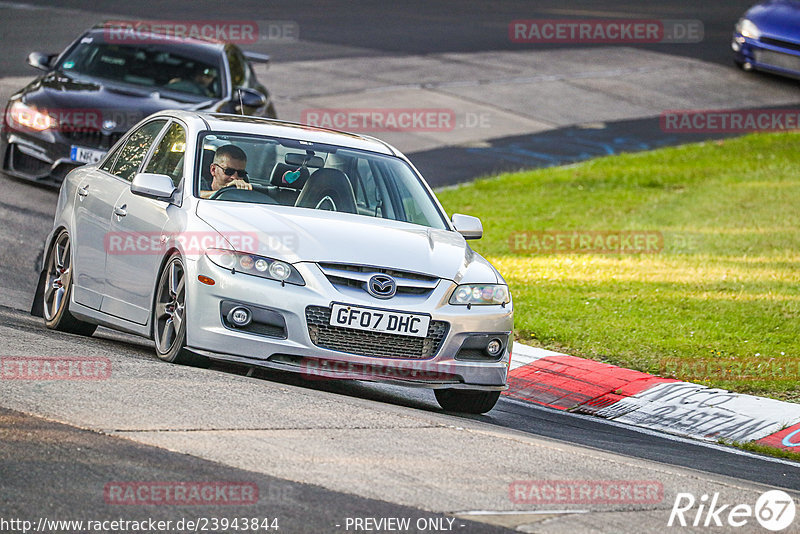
column 83, row 191
column 120, row 211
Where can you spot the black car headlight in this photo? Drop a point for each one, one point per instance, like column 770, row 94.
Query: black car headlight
column 255, row 265
column 22, row 115
column 480, row 294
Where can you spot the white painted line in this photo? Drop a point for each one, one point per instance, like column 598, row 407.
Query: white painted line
column 706, row 413
column 522, row 355
column 520, row 512
column 655, row 433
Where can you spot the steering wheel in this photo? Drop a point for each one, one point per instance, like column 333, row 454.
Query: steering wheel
column 231, row 192
column 221, row 192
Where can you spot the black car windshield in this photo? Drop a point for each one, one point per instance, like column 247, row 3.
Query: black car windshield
column 148, row 66
column 307, row 175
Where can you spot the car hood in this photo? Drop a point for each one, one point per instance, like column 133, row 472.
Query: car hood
column 125, row 105
column 777, row 18
column 305, row 235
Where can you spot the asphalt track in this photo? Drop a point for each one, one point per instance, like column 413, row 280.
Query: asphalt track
column 45, row 467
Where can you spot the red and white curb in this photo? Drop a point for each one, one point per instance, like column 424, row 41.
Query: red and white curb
column 579, row 385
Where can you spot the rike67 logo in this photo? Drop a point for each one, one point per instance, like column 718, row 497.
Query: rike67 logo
column 774, row 510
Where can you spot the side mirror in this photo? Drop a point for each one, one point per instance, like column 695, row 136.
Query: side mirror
column 254, row 57
column 40, row 61
column 468, row 226
column 250, row 98
column 155, row 186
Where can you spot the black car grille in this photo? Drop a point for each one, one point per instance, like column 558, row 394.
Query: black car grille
column 781, row 43
column 92, row 138
column 373, row 344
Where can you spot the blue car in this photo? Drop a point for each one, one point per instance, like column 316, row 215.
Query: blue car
column 767, row 38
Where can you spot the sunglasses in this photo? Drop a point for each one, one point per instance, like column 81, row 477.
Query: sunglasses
column 230, row 170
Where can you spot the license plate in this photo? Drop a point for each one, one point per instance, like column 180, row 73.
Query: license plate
column 85, row 155
column 375, row 320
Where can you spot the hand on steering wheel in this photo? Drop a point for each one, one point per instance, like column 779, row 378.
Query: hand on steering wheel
column 235, row 184
column 222, row 191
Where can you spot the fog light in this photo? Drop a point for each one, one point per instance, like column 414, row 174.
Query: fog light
column 240, row 316
column 494, row 347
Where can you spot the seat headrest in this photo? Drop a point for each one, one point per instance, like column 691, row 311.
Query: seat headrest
column 279, row 176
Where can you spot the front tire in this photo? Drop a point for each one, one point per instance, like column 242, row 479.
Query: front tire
column 169, row 316
column 466, row 401
column 57, row 290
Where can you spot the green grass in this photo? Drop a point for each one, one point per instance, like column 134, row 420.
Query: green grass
column 763, row 449
column 725, row 288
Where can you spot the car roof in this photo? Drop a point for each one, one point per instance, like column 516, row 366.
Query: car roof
column 195, row 48
column 245, row 124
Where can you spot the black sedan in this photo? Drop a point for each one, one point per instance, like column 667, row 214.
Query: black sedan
column 95, row 90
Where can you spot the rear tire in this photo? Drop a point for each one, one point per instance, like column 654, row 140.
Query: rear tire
column 169, row 316
column 57, row 290
column 466, row 401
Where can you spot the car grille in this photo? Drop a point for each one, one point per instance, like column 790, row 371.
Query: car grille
column 92, row 138
column 778, row 59
column 780, row 42
column 373, row 344
column 408, row 283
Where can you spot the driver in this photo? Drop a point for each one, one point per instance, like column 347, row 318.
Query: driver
column 227, row 169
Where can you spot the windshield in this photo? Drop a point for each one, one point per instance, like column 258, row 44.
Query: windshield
column 305, row 175
column 146, row 66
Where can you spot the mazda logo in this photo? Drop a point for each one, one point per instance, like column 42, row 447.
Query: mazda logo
column 381, row 286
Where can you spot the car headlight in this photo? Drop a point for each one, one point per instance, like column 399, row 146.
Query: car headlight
column 748, row 29
column 20, row 114
column 253, row 264
column 480, row 294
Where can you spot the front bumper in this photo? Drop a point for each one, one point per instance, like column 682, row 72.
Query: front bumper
column 45, row 156
column 291, row 347
column 776, row 56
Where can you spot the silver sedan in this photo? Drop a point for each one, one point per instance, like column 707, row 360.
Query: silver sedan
column 274, row 244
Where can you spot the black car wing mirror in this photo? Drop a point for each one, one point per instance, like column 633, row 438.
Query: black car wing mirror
column 40, row 60
column 250, row 98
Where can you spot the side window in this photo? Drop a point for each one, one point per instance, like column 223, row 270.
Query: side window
column 238, row 66
column 132, row 154
column 168, row 157
column 109, row 163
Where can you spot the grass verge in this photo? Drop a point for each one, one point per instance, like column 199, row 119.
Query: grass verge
column 717, row 303
column 763, row 449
